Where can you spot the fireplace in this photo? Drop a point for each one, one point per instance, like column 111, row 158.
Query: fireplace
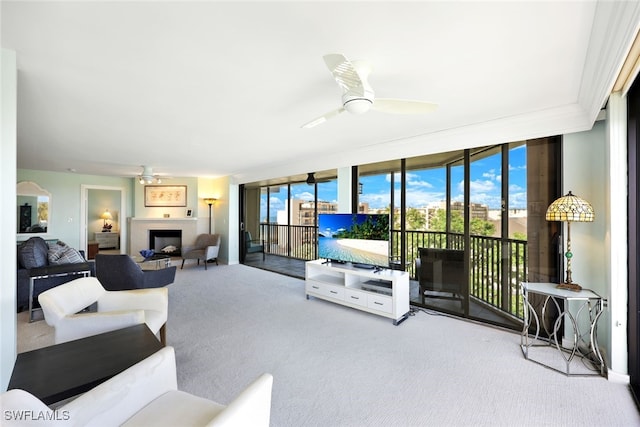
column 166, row 242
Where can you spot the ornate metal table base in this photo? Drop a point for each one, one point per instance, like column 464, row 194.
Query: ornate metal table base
column 579, row 309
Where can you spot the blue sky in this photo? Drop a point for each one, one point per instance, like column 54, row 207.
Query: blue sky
column 428, row 185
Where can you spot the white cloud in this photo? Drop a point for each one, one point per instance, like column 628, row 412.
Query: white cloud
column 491, row 174
column 276, row 203
column 396, row 177
column 305, row 195
column 414, row 180
column 420, row 199
column 479, row 186
column 376, row 201
column 518, row 200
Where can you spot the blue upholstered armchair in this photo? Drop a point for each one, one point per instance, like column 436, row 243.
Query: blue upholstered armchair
column 253, row 246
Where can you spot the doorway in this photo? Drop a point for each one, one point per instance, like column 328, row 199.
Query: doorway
column 96, row 201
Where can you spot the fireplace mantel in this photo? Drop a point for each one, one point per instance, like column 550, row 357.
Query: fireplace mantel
column 139, row 230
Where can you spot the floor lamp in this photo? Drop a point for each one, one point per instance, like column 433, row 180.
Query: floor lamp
column 570, row 209
column 210, row 201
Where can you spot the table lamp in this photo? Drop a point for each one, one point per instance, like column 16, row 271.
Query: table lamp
column 570, row 209
column 106, row 227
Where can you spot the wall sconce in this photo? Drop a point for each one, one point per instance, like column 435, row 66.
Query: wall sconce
column 106, row 227
column 209, row 201
column 567, row 209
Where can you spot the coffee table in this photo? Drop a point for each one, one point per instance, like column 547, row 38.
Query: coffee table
column 155, row 262
column 65, row 370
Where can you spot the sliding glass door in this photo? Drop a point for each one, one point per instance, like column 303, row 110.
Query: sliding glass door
column 634, row 237
column 467, row 225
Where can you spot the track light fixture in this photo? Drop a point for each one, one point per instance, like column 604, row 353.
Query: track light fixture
column 147, row 176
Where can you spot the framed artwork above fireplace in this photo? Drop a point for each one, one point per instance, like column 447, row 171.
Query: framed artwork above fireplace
column 165, row 195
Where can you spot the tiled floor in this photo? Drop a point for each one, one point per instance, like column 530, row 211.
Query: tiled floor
column 279, row 264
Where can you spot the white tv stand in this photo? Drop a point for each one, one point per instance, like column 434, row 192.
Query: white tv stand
column 383, row 292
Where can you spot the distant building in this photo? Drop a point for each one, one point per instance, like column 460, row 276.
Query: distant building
column 302, row 211
column 477, row 210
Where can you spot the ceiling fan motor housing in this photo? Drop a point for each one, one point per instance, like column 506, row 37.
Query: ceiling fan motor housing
column 357, row 103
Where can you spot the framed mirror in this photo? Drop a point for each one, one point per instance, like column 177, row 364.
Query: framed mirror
column 33, row 209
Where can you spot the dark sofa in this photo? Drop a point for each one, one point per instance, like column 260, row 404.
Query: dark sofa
column 120, row 272
column 49, row 266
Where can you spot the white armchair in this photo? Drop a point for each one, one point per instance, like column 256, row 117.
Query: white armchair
column 63, row 305
column 146, row 395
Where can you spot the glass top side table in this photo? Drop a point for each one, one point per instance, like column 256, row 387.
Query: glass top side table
column 581, row 310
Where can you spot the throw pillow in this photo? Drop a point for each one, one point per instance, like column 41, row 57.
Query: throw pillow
column 64, row 255
column 33, row 253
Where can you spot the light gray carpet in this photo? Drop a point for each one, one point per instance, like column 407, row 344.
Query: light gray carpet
column 335, row 366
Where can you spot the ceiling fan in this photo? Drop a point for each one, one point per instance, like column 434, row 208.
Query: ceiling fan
column 358, row 97
column 147, row 176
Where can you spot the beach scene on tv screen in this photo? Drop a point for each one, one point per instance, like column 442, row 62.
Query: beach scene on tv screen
column 359, row 238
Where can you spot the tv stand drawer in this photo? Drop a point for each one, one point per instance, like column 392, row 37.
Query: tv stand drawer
column 383, row 292
column 323, row 289
column 355, row 297
column 380, row 303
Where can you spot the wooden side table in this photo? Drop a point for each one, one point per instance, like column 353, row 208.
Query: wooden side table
column 92, row 249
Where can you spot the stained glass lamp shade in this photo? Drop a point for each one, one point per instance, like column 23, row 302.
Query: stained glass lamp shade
column 570, row 208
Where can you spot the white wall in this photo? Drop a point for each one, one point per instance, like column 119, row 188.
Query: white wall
column 616, row 242
column 586, row 172
column 225, row 218
column 66, row 204
column 142, row 211
column 584, row 175
column 8, row 124
column 344, row 189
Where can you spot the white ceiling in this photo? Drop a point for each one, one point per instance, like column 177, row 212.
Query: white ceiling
column 212, row 89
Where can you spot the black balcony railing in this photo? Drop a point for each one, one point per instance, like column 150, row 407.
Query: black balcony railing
column 293, row 241
column 497, row 266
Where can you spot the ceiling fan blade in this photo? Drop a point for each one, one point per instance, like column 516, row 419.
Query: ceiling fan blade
column 324, row 118
column 403, row 106
column 344, row 72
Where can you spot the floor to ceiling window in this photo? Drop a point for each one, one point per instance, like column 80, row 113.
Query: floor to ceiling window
column 426, row 207
column 470, row 205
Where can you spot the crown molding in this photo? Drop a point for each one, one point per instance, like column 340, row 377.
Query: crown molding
column 614, row 30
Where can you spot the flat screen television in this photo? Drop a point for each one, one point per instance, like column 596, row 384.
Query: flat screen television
column 361, row 239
